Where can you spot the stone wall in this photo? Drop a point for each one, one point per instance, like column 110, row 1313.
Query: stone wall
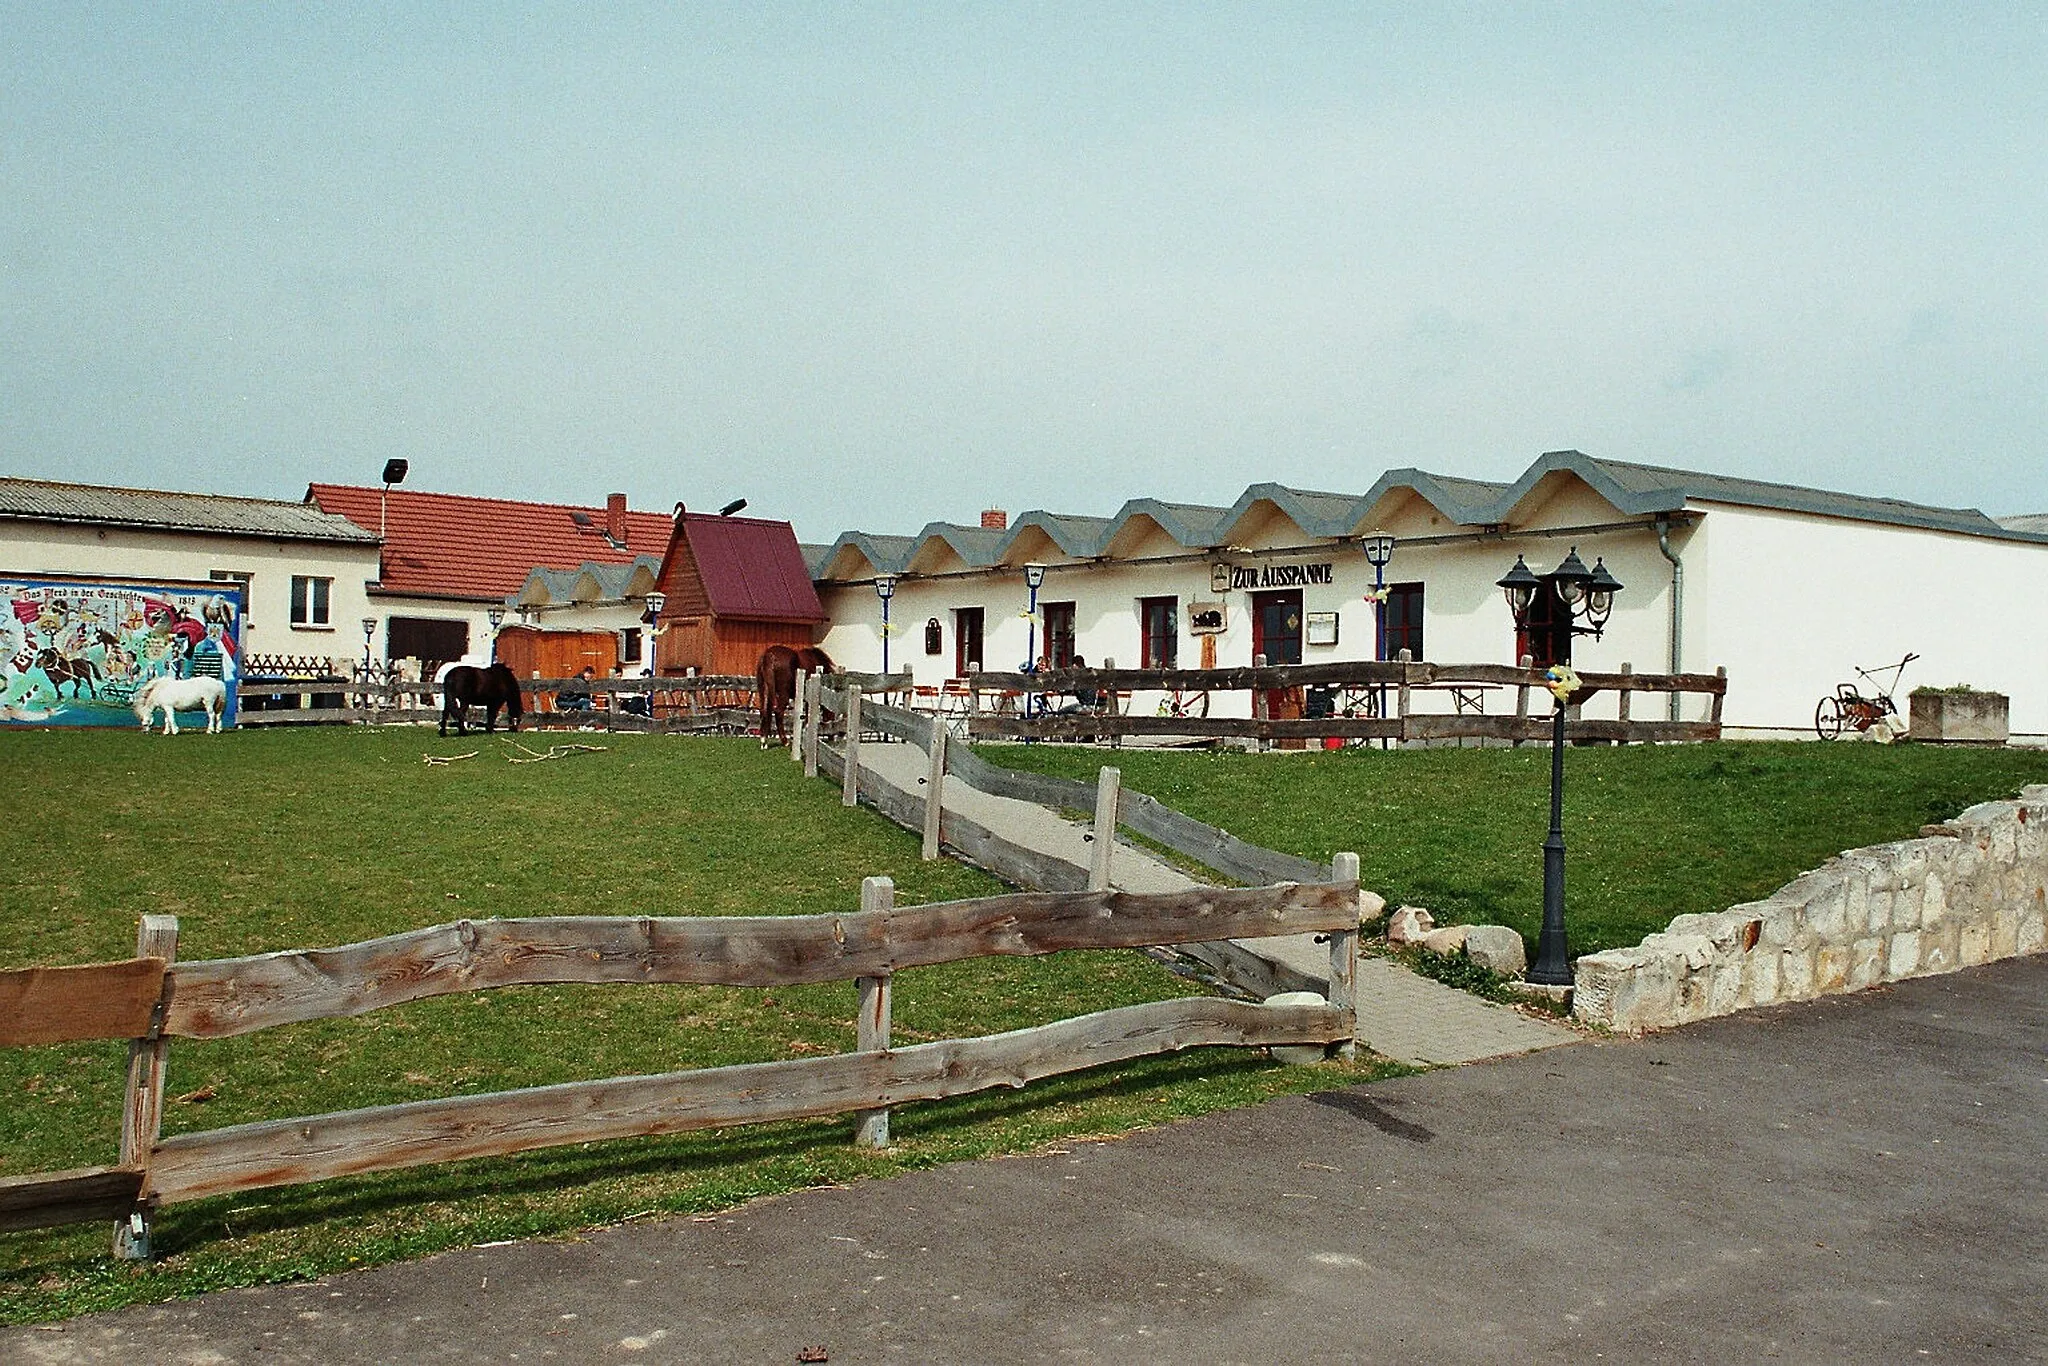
column 1966, row 892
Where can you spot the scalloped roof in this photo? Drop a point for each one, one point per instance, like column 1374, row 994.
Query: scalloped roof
column 1632, row 489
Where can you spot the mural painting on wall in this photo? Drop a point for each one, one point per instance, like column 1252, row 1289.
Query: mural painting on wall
column 73, row 654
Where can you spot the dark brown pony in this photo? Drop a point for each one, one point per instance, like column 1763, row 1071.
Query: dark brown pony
column 775, row 684
column 81, row 673
column 465, row 686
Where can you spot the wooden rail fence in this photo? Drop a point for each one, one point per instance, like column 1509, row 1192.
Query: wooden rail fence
column 705, row 702
column 152, row 999
column 1398, row 680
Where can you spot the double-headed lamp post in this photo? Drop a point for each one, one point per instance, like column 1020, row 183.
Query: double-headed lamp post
column 885, row 589
column 1587, row 597
column 1379, row 550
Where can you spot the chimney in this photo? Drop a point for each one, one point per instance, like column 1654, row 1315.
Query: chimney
column 615, row 519
column 995, row 519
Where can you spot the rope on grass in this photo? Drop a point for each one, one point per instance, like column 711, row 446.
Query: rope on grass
column 443, row 760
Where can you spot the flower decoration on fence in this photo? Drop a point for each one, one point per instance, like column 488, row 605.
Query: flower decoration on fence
column 1561, row 681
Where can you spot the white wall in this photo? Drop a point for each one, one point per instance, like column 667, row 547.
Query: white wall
column 1792, row 604
column 145, row 556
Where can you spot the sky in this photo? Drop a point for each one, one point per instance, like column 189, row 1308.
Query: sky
column 875, row 265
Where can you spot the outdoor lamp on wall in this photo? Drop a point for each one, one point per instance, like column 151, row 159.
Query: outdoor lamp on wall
column 885, row 589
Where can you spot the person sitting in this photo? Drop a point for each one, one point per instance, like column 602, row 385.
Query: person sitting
column 639, row 704
column 577, row 699
column 1085, row 698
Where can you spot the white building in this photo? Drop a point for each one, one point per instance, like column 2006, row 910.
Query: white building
column 1788, row 588
column 302, row 571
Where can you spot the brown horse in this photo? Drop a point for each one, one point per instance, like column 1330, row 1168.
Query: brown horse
column 775, row 684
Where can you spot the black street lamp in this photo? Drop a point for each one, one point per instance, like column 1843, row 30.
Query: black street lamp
column 885, row 589
column 1587, row 596
column 495, row 615
column 1034, row 579
column 369, row 631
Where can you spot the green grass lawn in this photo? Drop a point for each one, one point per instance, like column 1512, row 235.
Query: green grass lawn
column 267, row 840
column 1651, row 831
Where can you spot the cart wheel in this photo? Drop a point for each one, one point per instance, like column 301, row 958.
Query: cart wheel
column 1198, row 705
column 1827, row 718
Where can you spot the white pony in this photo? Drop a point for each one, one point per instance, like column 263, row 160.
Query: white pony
column 174, row 695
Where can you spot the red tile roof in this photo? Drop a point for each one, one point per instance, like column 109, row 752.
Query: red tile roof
column 750, row 567
column 453, row 546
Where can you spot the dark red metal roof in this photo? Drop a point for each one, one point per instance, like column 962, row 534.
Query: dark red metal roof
column 751, row 568
column 452, row 545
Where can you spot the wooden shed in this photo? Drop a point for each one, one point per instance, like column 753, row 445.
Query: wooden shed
column 533, row 653
column 733, row 586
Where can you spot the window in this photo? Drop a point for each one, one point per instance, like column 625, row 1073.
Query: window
column 310, row 600
column 245, row 582
column 1059, row 633
column 1404, row 620
column 1159, row 633
column 1548, row 637
column 629, row 645
column 966, row 641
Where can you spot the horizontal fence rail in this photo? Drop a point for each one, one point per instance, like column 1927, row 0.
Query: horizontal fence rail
column 152, row 999
column 1393, row 683
column 699, row 702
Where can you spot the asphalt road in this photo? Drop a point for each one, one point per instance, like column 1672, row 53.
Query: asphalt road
column 1859, row 1179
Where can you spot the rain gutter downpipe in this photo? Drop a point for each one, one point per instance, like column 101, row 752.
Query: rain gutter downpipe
column 1677, row 604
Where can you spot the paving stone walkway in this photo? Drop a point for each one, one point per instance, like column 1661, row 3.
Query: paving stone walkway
column 1400, row 1015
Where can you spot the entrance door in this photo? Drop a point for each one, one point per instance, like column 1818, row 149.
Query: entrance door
column 1276, row 627
column 966, row 641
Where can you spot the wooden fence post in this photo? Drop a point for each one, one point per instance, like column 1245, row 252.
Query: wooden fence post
column 1261, row 708
column 849, row 787
column 1522, row 694
column 934, row 789
column 796, row 729
column 1107, row 784
column 142, row 1112
column 814, row 709
column 872, row 1023
column 1626, row 670
column 1344, row 958
column 1401, row 702
column 1717, row 698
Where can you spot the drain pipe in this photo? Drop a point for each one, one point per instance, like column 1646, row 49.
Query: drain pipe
column 1677, row 604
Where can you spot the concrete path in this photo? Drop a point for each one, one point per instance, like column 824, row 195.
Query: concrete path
column 1856, row 1179
column 1401, row 1016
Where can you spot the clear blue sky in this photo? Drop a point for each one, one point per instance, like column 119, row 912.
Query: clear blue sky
column 874, row 265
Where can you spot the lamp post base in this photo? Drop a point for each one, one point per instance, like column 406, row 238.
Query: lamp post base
column 1553, row 965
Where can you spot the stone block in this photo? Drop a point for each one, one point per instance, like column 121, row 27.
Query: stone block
column 1855, row 897
column 1906, row 903
column 1933, row 897
column 1831, row 968
column 1497, row 948
column 1408, row 924
column 1445, row 939
column 2031, row 935
column 1795, row 974
column 2004, row 931
column 1866, row 963
column 1625, row 989
column 1878, row 910
column 1938, row 947
column 1904, row 956
column 1724, row 994
column 1827, row 910
column 1911, row 857
column 1760, row 977
column 1973, row 945
column 1371, row 906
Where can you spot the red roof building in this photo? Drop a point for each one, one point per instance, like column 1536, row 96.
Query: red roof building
column 733, row 587
column 453, row 547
